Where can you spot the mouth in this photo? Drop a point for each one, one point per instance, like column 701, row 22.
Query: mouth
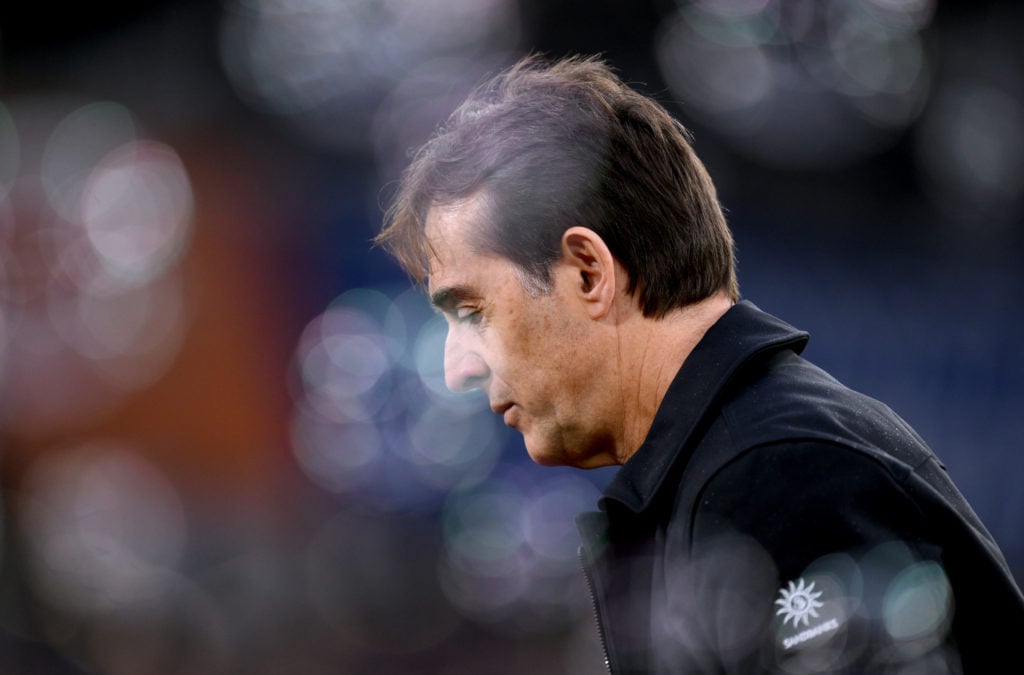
column 503, row 409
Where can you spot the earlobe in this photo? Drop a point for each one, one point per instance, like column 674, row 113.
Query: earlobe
column 593, row 266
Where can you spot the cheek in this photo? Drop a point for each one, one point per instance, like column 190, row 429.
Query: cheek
column 536, row 340
column 515, row 353
column 544, row 351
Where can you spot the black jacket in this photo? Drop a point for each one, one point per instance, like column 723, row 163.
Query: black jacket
column 776, row 521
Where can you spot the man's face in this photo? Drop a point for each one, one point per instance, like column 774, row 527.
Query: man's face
column 525, row 351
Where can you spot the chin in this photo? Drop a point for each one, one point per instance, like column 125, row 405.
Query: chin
column 558, row 456
column 545, row 456
column 545, row 459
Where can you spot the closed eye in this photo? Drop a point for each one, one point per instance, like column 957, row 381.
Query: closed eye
column 468, row 315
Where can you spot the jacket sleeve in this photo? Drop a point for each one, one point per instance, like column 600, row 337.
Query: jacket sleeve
column 826, row 562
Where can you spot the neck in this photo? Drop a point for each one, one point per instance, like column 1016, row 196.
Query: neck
column 651, row 352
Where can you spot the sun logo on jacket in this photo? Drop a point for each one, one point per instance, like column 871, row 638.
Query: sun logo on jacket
column 799, row 603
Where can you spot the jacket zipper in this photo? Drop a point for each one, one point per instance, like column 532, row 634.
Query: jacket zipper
column 597, row 613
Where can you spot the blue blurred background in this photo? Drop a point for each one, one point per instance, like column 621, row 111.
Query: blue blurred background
column 225, row 443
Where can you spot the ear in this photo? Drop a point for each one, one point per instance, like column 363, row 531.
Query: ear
column 591, row 269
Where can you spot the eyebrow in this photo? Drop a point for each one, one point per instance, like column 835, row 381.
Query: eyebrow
column 447, row 298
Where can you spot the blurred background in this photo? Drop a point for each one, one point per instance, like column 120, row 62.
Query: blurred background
column 225, row 442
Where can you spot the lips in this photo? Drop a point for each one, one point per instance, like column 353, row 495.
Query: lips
column 504, row 409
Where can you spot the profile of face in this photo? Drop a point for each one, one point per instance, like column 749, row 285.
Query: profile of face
column 533, row 354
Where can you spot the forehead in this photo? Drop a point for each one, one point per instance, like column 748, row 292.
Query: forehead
column 450, row 230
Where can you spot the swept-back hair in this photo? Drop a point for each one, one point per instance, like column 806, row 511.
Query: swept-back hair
column 550, row 145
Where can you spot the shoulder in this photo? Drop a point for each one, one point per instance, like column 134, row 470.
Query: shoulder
column 787, row 398
column 800, row 499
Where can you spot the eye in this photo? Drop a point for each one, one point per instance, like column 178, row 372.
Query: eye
column 467, row 315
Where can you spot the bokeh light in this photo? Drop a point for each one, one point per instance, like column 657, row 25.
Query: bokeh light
column 104, row 529
column 92, row 231
column 76, row 147
column 919, row 604
column 971, row 153
column 316, row 62
column 136, row 209
column 372, row 415
column 511, row 550
column 764, row 74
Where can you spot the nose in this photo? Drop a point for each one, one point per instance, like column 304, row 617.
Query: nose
column 464, row 368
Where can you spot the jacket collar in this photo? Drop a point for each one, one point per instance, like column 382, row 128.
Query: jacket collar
column 739, row 336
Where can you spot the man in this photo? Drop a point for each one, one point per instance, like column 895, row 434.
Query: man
column 765, row 518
